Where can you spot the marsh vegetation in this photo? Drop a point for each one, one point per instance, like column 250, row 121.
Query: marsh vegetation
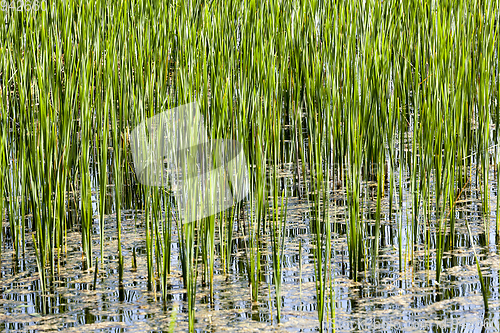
column 371, row 133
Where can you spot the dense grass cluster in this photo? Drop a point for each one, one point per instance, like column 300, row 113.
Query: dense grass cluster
column 345, row 91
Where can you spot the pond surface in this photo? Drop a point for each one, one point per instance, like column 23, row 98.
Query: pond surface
column 406, row 301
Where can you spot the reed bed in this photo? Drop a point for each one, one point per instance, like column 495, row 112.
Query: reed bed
column 348, row 92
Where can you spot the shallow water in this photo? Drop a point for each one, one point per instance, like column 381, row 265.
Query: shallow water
column 407, row 301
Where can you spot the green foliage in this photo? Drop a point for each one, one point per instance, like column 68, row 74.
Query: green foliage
column 329, row 87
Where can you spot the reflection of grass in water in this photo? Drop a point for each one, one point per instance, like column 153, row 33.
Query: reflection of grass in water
column 410, row 86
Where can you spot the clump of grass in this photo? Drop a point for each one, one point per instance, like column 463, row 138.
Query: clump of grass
column 367, row 82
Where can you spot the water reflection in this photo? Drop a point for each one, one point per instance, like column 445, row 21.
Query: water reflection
column 391, row 301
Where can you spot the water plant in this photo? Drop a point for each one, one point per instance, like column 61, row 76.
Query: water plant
column 394, row 102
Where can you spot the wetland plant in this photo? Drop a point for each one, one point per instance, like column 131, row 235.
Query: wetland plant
column 328, row 88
